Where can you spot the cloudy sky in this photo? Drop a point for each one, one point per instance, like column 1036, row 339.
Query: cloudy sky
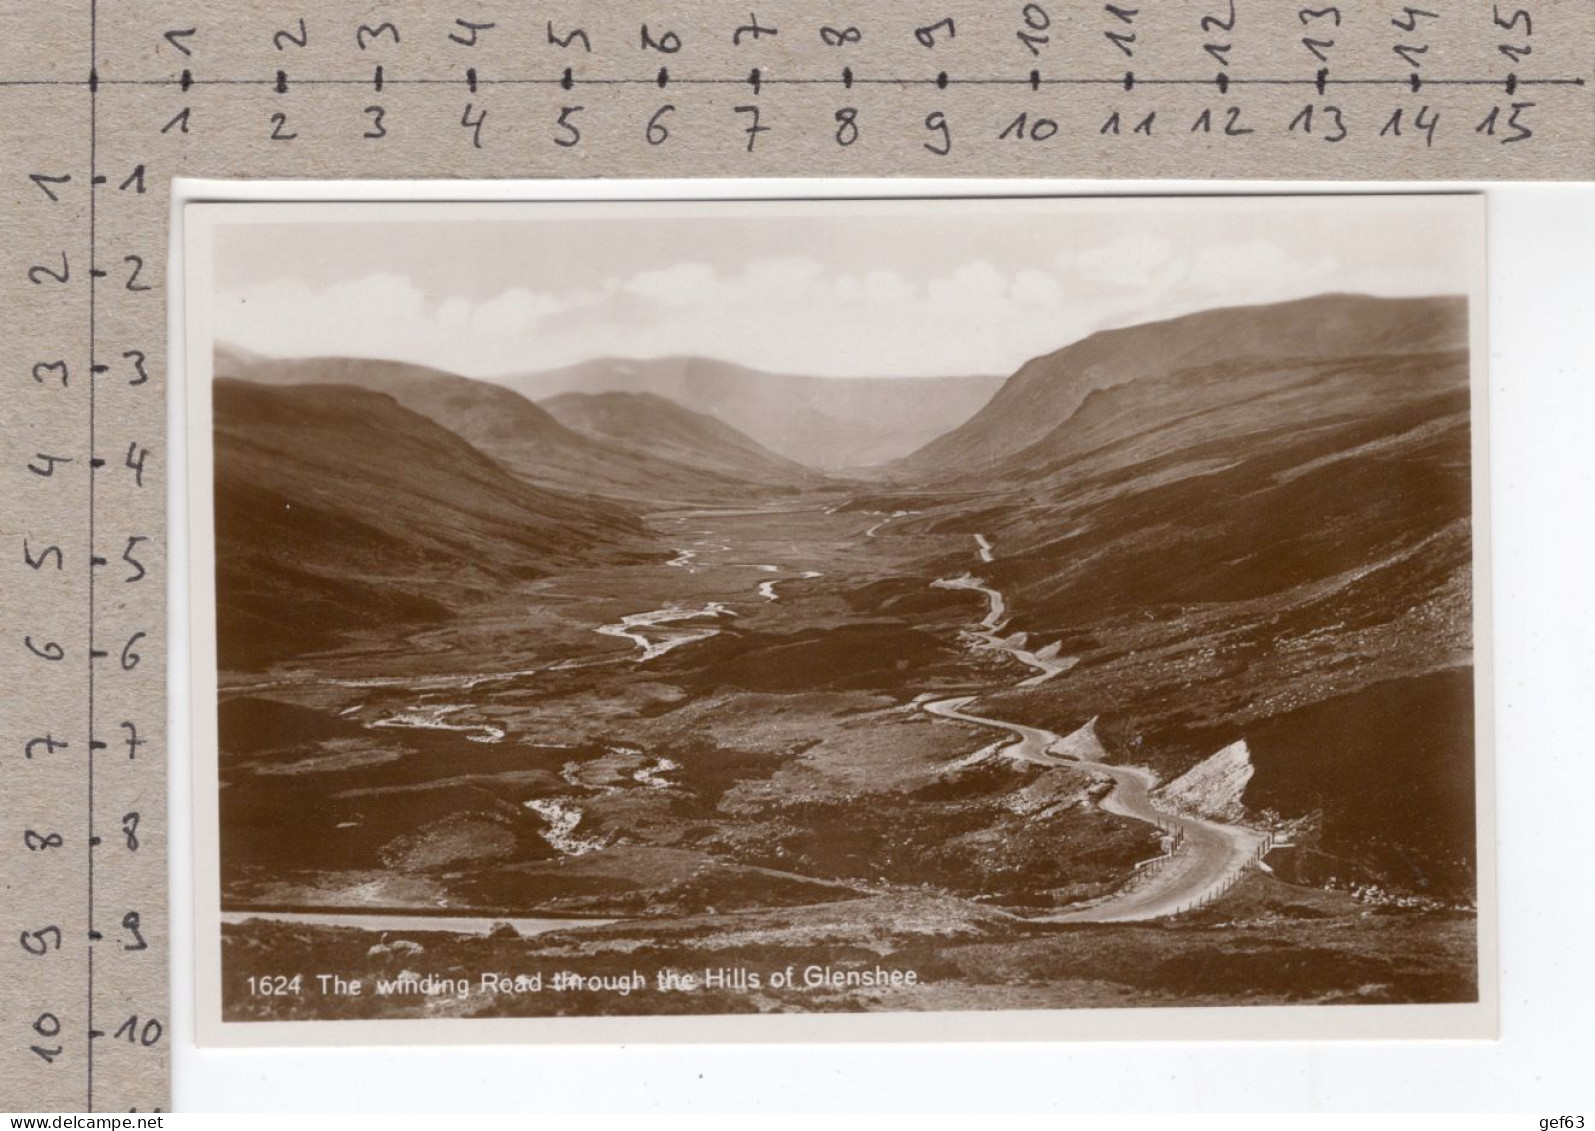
column 842, row 289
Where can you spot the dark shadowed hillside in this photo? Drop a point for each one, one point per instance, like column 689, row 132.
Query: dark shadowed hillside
column 507, row 426
column 1046, row 391
column 339, row 511
column 1275, row 552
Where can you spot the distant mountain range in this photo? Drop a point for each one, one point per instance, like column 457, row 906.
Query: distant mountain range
column 647, row 422
column 1044, row 394
column 654, row 451
column 833, row 423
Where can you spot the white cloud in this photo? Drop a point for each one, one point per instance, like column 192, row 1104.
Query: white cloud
column 887, row 287
column 973, row 282
column 515, row 311
column 1256, row 269
column 915, row 311
column 685, row 284
column 1037, row 288
column 791, row 275
column 1136, row 259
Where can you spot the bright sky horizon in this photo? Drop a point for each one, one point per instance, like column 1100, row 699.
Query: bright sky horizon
column 848, row 288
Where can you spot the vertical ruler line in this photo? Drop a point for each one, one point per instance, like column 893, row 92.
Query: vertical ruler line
column 90, row 935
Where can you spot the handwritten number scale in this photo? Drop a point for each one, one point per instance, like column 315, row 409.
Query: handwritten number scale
column 1116, row 88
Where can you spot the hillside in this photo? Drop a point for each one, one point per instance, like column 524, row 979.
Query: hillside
column 1278, row 553
column 1047, row 390
column 340, row 511
column 504, row 424
column 831, row 423
column 647, row 422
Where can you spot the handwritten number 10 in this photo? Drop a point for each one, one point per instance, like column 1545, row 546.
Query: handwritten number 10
column 131, row 1031
column 1036, row 23
column 47, row 1026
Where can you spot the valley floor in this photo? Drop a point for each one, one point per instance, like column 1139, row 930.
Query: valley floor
column 771, row 749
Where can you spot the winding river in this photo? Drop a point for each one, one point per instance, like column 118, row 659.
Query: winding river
column 767, row 588
column 436, row 717
column 653, row 631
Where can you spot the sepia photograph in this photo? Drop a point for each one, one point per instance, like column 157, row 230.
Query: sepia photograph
column 1062, row 609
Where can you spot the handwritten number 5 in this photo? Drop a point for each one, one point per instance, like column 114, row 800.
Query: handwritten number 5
column 568, row 126
column 40, row 941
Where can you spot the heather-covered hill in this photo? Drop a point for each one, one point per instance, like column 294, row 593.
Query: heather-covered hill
column 1047, row 390
column 1279, row 552
column 517, row 433
column 340, row 511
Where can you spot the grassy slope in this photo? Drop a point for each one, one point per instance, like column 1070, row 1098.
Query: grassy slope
column 509, row 427
column 1280, row 553
column 1046, row 391
column 337, row 510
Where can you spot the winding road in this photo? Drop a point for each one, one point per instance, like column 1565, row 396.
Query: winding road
column 1047, row 662
column 893, row 517
column 1208, row 855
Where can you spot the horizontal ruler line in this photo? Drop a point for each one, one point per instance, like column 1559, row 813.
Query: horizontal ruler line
column 1128, row 81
